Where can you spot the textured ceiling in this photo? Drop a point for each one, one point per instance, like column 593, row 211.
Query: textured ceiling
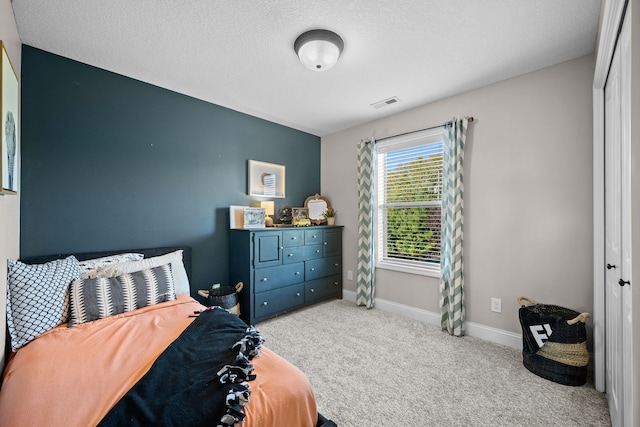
column 239, row 54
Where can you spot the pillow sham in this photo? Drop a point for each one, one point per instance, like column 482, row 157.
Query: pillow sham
column 180, row 279
column 100, row 297
column 88, row 268
column 38, row 297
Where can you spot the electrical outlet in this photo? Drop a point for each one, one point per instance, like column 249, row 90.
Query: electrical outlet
column 350, row 275
column 496, row 305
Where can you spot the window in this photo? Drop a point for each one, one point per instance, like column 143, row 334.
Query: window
column 409, row 202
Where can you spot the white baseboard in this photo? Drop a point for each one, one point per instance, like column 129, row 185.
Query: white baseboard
column 477, row 330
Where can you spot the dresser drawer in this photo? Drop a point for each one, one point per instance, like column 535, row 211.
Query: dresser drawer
column 313, row 252
column 291, row 254
column 301, row 253
column 313, row 237
column 279, row 300
column 266, row 279
column 323, row 288
column 292, row 238
column 321, row 267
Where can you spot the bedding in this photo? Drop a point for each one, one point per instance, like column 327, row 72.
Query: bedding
column 82, row 375
column 202, row 378
column 74, row 376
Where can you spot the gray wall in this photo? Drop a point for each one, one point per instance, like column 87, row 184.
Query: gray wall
column 528, row 194
column 109, row 162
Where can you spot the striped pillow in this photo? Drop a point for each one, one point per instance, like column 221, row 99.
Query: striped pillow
column 93, row 299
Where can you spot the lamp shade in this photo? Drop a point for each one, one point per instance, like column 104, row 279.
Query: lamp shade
column 318, row 50
column 268, row 207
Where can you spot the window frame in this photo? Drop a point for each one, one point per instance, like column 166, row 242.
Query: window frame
column 414, row 139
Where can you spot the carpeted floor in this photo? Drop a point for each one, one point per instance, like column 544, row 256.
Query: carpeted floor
column 373, row 368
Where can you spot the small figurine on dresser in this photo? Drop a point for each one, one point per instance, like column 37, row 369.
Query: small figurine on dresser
column 286, row 215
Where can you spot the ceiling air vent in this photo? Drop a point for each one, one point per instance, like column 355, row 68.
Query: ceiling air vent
column 385, row 102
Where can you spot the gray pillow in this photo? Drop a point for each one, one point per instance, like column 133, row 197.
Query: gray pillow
column 93, row 299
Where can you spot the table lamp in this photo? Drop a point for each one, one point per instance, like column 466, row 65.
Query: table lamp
column 269, row 207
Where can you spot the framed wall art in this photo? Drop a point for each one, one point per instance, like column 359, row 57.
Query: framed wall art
column 9, row 103
column 265, row 179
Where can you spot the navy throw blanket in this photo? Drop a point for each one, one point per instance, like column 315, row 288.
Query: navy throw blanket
column 199, row 380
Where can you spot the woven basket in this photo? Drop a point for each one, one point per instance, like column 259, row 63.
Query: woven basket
column 224, row 296
column 554, row 341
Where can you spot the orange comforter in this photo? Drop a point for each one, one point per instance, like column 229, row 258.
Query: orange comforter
column 73, row 376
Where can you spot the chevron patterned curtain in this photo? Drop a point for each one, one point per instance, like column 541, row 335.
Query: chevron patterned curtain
column 366, row 259
column 451, row 259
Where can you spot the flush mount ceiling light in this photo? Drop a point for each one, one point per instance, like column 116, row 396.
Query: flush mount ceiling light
column 318, row 50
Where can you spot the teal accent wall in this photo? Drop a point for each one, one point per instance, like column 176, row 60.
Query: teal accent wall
column 109, row 162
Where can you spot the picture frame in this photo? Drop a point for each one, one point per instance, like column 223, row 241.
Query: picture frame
column 265, row 179
column 10, row 116
column 254, row 218
column 300, row 216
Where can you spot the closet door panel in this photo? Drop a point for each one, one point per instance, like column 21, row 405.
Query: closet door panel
column 613, row 233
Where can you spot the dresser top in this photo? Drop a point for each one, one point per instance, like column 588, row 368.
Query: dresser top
column 288, row 227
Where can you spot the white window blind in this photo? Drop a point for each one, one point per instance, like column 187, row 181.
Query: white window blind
column 409, row 183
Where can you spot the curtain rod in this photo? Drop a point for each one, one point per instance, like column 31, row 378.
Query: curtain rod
column 419, row 130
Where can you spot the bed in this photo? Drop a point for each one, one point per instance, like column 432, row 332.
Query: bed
column 126, row 346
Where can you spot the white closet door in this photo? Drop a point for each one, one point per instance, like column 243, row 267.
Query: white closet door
column 625, row 223
column 619, row 331
column 613, row 234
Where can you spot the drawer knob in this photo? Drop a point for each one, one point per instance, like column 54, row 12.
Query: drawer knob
column 281, row 247
column 336, row 283
column 297, row 273
column 314, row 236
column 336, row 264
column 317, row 251
column 312, row 290
column 264, row 279
column 265, row 303
column 289, row 254
column 297, row 294
column 293, row 238
column 325, row 243
column 312, row 269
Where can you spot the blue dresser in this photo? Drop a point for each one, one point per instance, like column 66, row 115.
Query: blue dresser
column 285, row 268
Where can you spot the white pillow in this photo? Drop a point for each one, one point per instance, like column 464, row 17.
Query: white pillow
column 180, row 279
column 88, row 268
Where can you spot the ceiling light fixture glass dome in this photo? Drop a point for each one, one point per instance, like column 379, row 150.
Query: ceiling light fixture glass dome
column 318, row 50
